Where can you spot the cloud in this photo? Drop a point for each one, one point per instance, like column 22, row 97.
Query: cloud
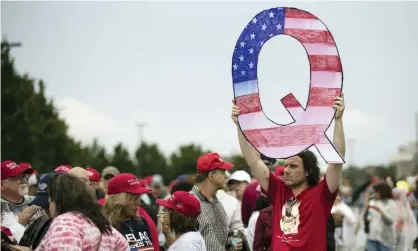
column 83, row 120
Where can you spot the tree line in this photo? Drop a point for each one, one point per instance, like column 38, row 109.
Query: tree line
column 32, row 131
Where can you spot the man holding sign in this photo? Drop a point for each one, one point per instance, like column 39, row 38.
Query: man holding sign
column 301, row 202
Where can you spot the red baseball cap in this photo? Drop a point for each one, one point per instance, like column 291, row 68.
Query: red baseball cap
column 94, row 175
column 182, row 202
column 212, row 161
column 279, row 170
column 10, row 169
column 63, row 169
column 25, row 165
column 126, row 183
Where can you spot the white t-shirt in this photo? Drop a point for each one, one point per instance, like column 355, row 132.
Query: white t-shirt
column 191, row 241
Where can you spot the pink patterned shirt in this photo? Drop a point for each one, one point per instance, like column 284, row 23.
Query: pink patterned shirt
column 73, row 232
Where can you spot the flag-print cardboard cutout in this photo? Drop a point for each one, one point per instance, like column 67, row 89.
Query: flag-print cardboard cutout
column 310, row 124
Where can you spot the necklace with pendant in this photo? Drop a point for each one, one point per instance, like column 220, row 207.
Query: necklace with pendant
column 129, row 226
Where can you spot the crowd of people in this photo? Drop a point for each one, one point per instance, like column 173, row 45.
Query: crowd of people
column 282, row 208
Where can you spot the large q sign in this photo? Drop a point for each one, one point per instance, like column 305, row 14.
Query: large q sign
column 309, row 125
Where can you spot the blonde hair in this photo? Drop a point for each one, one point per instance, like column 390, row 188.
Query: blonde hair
column 114, row 207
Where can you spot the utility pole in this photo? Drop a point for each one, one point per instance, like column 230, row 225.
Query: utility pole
column 141, row 126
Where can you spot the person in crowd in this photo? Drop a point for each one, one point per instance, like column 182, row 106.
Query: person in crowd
column 262, row 203
column 380, row 218
column 232, row 208
column 346, row 191
column 238, row 182
column 33, row 181
column 63, row 169
column 14, row 189
column 78, row 222
column 264, row 223
column 16, row 214
column 34, row 234
column 406, row 223
column 143, row 213
column 158, row 189
column 389, row 180
column 94, row 177
column 403, row 183
column 183, row 185
column 108, row 173
column 33, row 178
column 301, row 194
column 345, row 225
column 83, row 175
column 179, row 217
column 251, row 194
column 249, row 199
column 121, row 209
column 213, row 223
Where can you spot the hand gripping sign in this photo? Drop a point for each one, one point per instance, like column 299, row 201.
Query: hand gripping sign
column 309, row 125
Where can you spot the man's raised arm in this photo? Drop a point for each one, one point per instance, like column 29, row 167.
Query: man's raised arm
column 251, row 156
column 333, row 174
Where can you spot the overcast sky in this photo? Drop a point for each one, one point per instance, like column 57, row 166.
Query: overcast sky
column 110, row 65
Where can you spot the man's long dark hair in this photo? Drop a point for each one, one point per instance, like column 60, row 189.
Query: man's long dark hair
column 310, row 164
column 70, row 194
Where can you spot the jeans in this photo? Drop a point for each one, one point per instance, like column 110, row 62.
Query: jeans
column 377, row 246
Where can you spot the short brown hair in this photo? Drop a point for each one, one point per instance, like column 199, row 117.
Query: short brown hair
column 181, row 224
column 384, row 190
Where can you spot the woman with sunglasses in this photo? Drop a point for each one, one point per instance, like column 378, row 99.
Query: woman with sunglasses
column 121, row 209
column 179, row 216
column 78, row 223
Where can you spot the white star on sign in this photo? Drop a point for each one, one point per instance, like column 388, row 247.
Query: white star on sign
column 241, row 58
column 252, row 35
column 242, row 44
column 251, row 65
column 271, row 14
column 263, row 27
column 235, row 67
column 271, row 34
column 261, row 43
column 251, row 51
column 243, row 73
column 255, row 20
column 279, row 27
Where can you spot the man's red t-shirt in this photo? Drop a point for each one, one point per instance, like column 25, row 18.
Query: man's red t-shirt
column 299, row 223
column 150, row 222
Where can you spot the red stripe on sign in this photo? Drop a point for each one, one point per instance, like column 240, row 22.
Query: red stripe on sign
column 295, row 13
column 319, row 96
column 248, row 103
column 287, row 136
column 290, row 101
column 325, row 63
column 310, row 36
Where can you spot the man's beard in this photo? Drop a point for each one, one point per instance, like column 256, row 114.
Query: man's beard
column 23, row 190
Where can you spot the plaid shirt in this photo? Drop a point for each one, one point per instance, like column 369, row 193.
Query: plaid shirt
column 212, row 221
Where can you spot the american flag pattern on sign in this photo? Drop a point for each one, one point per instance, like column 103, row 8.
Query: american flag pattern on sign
column 282, row 141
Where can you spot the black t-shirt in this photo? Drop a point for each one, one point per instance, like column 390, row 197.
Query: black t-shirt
column 137, row 232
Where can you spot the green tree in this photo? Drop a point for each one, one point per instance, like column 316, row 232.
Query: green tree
column 96, row 156
column 31, row 129
column 122, row 160
column 150, row 160
column 239, row 162
column 183, row 161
